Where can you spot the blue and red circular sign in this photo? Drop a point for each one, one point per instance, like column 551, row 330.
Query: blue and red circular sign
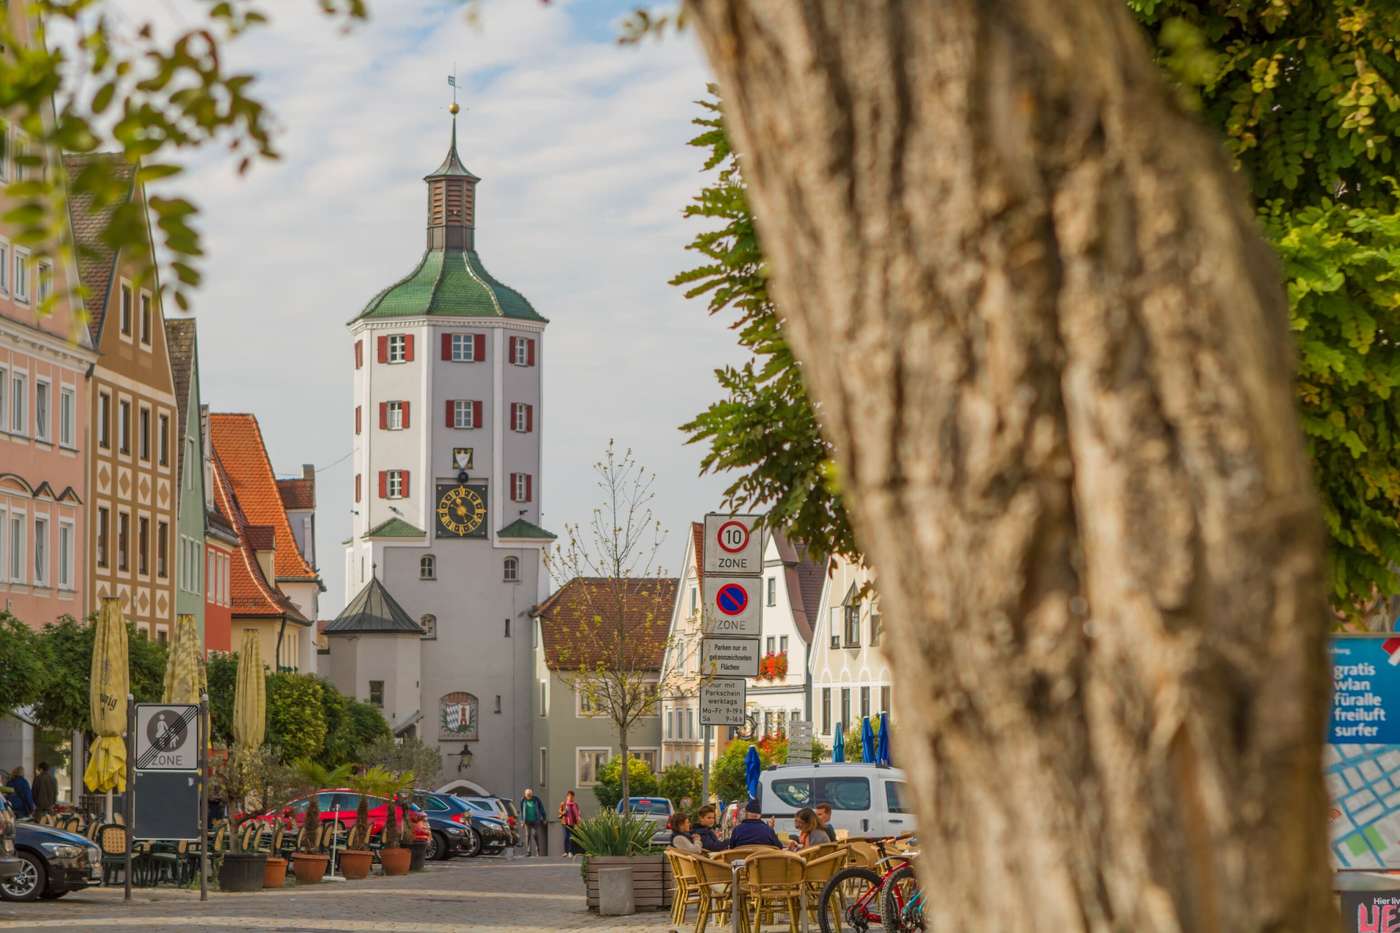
column 732, row 599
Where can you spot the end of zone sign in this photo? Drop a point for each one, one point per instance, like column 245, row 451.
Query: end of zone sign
column 166, row 737
column 733, row 544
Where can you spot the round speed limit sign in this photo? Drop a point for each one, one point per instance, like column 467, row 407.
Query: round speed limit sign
column 733, row 544
column 733, row 536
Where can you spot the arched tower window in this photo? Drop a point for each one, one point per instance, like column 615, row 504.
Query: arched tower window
column 427, row 567
column 429, row 625
column 511, row 570
column 457, row 716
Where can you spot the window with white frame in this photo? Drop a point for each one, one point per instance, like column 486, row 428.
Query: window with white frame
column 19, row 403
column 464, row 414
column 43, row 415
column 4, row 548
column 163, row 441
column 393, row 416
column 590, row 762
column 429, row 625
column 4, row 264
column 123, row 541
column 464, row 348
column 21, row 274
column 588, row 705
column 65, row 555
column 427, row 567
column 163, row 549
column 520, row 487
column 520, row 416
column 104, row 420
column 397, row 348
column 104, row 521
column 147, row 319
column 143, row 434
column 511, row 570
column 16, row 574
column 393, row 484
column 41, row 550
column 126, row 311
column 124, row 426
column 650, row 755
column 772, row 594
column 522, row 351
column 67, row 417
column 44, row 280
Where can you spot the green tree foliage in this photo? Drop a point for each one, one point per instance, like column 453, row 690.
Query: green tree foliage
column 121, row 84
column 67, row 644
column 296, row 725
column 641, row 782
column 351, row 726
column 24, row 670
column 680, row 781
column 221, row 672
column 1304, row 95
column 407, row 755
column 727, row 773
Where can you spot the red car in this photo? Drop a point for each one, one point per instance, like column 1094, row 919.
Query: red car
column 340, row 805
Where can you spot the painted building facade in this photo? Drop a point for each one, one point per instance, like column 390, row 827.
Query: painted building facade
column 850, row 674
column 682, row 738
column 791, row 589
column 132, row 507
column 182, row 347
column 447, row 416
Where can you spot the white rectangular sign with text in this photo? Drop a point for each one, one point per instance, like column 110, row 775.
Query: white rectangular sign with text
column 729, row 657
column 722, row 701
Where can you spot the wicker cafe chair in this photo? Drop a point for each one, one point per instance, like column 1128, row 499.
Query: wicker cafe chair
column 729, row 855
column 864, row 854
column 111, row 838
column 772, row 882
column 821, row 850
column 687, row 884
column 816, row 874
column 715, row 883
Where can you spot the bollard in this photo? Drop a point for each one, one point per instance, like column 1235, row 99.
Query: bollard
column 615, row 896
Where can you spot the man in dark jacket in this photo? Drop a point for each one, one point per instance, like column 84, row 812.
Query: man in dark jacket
column 824, row 818
column 45, row 790
column 532, row 815
column 705, row 829
column 21, row 798
column 753, row 831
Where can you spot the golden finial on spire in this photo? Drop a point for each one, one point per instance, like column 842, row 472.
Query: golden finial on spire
column 452, row 108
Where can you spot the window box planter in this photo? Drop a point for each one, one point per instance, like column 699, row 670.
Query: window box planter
column 652, row 883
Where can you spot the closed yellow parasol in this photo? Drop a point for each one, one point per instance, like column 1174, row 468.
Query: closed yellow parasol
column 108, row 686
column 249, row 696
column 182, row 668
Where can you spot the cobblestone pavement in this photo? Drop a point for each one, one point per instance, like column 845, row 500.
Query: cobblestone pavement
column 488, row 894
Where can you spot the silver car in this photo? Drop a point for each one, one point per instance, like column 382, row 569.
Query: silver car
column 656, row 809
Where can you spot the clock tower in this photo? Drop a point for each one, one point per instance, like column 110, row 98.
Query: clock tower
column 447, row 376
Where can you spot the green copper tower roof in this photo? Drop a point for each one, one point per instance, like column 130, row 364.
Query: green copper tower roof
column 450, row 280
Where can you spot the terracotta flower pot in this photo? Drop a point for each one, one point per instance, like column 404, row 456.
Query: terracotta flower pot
column 355, row 863
column 274, row 872
column 395, row 860
column 309, row 867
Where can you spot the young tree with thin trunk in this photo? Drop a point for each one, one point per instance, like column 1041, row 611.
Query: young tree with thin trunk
column 1062, row 416
column 616, row 607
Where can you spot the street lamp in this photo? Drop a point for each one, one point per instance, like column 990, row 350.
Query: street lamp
column 465, row 756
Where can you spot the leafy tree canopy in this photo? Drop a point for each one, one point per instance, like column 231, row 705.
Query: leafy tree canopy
column 296, row 725
column 67, row 644
column 24, row 672
column 641, row 782
column 1304, row 95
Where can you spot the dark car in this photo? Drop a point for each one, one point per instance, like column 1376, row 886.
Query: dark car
column 499, row 809
column 460, row 829
column 52, row 863
column 9, row 863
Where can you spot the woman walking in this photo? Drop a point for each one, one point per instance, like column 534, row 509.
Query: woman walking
column 569, row 817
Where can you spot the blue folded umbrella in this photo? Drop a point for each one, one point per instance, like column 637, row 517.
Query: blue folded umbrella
column 882, row 745
column 752, row 768
column 838, row 746
column 867, row 741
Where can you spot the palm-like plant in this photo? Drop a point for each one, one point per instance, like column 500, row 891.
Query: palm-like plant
column 392, row 785
column 314, row 776
column 367, row 782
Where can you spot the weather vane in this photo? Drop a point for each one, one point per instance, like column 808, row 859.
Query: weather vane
column 452, row 83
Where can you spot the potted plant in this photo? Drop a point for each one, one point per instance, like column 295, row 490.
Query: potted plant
column 252, row 784
column 357, row 858
column 394, row 856
column 309, row 862
column 612, row 839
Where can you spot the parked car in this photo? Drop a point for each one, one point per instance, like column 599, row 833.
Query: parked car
column 656, row 809
column 461, row 829
column 866, row 799
column 500, row 808
column 339, row 805
column 51, row 863
column 9, row 862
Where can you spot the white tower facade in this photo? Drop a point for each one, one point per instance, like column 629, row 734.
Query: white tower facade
column 448, row 372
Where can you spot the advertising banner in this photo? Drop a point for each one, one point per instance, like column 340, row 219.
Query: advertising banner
column 1362, row 758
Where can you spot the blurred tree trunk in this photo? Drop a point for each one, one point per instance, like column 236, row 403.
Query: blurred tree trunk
column 1052, row 352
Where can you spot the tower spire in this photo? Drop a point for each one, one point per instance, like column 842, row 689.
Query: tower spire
column 452, row 195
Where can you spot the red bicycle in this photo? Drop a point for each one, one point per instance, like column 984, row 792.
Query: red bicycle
column 854, row 897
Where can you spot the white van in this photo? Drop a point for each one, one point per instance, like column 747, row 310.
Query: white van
column 866, row 799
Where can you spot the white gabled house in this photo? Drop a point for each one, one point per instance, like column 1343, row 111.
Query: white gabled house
column 850, row 675
column 681, row 739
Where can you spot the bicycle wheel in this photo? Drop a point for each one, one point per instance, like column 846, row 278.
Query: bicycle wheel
column 900, row 911
column 850, row 901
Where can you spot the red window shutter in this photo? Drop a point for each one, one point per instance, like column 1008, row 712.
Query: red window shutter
column 383, row 484
column 359, row 353
column 512, row 487
column 529, row 418
column 447, row 346
column 451, row 422
column 383, row 415
column 383, row 344
column 408, row 348
column 357, row 418
column 479, row 347
column 405, row 414
column 510, row 352
column 405, row 484
column 529, row 488
column 476, row 414
column 357, row 487
column 529, row 352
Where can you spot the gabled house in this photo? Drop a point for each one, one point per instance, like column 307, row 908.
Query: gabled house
column 131, row 456
column 272, row 587
column 572, row 737
column 191, row 573
column 849, row 671
column 682, row 739
column 376, row 655
column 791, row 590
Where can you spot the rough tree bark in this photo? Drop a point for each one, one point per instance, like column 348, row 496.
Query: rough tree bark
column 1052, row 352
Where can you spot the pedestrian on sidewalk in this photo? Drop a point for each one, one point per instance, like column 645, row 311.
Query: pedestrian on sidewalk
column 532, row 814
column 21, row 797
column 569, row 817
column 45, row 791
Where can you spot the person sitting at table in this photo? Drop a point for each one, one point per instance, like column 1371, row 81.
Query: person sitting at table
column 809, row 830
column 682, row 839
column 752, row 830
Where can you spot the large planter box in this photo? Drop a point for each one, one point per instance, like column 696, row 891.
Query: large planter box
column 653, row 886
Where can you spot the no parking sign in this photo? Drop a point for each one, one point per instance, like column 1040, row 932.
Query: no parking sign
column 731, row 607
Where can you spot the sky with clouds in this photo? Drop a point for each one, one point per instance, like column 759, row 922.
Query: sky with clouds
column 581, row 147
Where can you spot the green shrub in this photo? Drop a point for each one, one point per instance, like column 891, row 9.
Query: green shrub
column 680, row 781
column 640, row 781
column 611, row 833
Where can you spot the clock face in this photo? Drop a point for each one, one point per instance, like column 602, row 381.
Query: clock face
column 461, row 511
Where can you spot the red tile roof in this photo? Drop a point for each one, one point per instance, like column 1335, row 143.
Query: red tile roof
column 697, row 531
column 578, row 626
column 803, row 576
column 298, row 493
column 238, row 442
column 249, row 590
column 96, row 259
column 260, row 537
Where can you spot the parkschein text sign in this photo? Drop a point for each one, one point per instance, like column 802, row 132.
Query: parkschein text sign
column 722, row 701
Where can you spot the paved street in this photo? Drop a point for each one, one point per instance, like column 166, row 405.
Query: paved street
column 461, row 894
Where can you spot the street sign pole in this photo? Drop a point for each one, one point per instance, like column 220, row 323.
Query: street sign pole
column 203, row 733
column 130, row 789
column 705, row 768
